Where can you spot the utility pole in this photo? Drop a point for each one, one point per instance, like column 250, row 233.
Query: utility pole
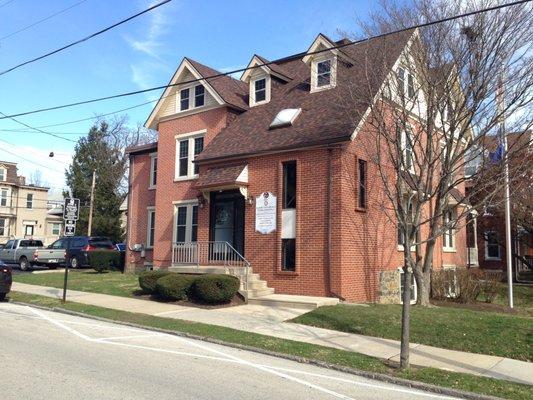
column 508, row 239
column 91, row 206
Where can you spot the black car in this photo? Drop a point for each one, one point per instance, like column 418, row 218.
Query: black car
column 5, row 280
column 74, row 249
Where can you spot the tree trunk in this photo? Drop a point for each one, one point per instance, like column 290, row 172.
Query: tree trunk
column 406, row 299
column 423, row 282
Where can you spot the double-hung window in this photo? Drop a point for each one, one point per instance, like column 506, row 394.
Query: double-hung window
column 187, row 148
column 3, row 174
column 406, row 83
column 191, row 97
column 56, row 229
column 186, row 222
column 492, row 246
column 4, row 197
column 323, row 73
column 407, row 151
column 150, row 234
column 260, row 90
column 449, row 231
column 153, row 170
column 184, row 99
column 199, row 96
column 29, row 200
column 3, row 227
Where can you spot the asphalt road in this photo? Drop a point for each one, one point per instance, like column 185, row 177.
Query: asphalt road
column 47, row 355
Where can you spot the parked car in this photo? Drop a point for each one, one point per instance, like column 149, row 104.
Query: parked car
column 79, row 248
column 5, row 280
column 21, row 252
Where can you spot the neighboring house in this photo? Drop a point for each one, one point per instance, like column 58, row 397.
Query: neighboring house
column 203, row 195
column 124, row 215
column 489, row 227
column 25, row 211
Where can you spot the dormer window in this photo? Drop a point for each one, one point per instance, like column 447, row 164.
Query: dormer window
column 3, row 174
column 323, row 73
column 260, row 90
column 186, row 101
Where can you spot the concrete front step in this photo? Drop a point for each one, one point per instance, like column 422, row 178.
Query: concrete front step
column 293, row 301
column 254, row 293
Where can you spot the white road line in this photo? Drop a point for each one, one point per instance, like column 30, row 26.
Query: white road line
column 148, row 335
column 279, row 371
column 59, row 324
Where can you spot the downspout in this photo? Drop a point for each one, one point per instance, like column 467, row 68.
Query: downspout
column 329, row 225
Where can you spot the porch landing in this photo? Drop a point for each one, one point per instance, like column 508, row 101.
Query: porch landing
column 255, row 291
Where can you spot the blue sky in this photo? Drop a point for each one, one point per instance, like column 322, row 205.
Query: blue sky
column 142, row 53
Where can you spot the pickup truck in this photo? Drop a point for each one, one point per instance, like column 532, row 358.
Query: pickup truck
column 21, row 252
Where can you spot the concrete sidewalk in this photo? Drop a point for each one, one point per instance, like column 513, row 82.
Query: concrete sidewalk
column 270, row 321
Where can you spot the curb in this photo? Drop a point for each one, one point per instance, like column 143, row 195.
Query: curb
column 353, row 371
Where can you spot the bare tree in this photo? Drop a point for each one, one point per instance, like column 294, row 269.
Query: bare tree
column 452, row 87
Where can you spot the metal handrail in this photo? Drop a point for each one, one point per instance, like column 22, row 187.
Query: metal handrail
column 210, row 253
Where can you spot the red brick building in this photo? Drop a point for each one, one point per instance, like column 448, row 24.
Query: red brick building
column 268, row 172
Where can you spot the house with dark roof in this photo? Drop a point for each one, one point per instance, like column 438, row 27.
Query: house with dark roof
column 264, row 177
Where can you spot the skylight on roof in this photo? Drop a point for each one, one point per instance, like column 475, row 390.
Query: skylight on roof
column 285, row 117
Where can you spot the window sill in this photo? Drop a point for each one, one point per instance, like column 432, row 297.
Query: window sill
column 449, row 250
column 151, row 188
column 185, row 178
column 290, row 273
column 400, row 248
column 321, row 88
column 360, row 209
column 492, row 259
column 259, row 103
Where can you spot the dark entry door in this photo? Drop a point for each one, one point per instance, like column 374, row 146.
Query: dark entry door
column 227, row 218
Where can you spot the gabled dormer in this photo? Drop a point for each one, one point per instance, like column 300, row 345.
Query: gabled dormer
column 259, row 75
column 194, row 88
column 322, row 58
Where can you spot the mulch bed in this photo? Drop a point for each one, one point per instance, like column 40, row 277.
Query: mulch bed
column 236, row 301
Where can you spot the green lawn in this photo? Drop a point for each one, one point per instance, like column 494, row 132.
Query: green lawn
column 433, row 376
column 114, row 283
column 485, row 332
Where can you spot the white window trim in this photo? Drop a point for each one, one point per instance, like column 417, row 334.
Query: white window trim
column 149, row 227
column 267, row 89
column 5, row 227
column 28, row 201
column 8, row 196
column 404, row 151
column 188, row 223
column 445, row 248
column 415, row 287
column 52, row 225
column 190, row 136
column 487, row 257
column 4, row 175
column 153, row 174
column 314, row 73
column 192, row 91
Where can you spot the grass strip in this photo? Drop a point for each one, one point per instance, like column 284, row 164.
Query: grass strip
column 340, row 358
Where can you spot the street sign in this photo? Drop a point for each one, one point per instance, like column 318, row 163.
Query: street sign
column 70, row 230
column 71, row 209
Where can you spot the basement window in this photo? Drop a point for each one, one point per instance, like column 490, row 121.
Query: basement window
column 285, row 117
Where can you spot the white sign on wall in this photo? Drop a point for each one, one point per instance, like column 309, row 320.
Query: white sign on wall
column 265, row 213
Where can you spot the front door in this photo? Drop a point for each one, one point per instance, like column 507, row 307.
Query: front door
column 227, row 218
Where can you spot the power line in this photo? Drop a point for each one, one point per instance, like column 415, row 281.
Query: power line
column 32, row 131
column 31, row 161
column 5, row 3
column 36, row 129
column 51, row 159
column 85, row 38
column 240, row 70
column 41, row 20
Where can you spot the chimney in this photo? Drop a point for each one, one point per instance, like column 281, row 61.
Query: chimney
column 22, row 180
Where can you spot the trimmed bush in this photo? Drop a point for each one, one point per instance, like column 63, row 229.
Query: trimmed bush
column 173, row 287
column 148, row 279
column 216, row 289
column 103, row 260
